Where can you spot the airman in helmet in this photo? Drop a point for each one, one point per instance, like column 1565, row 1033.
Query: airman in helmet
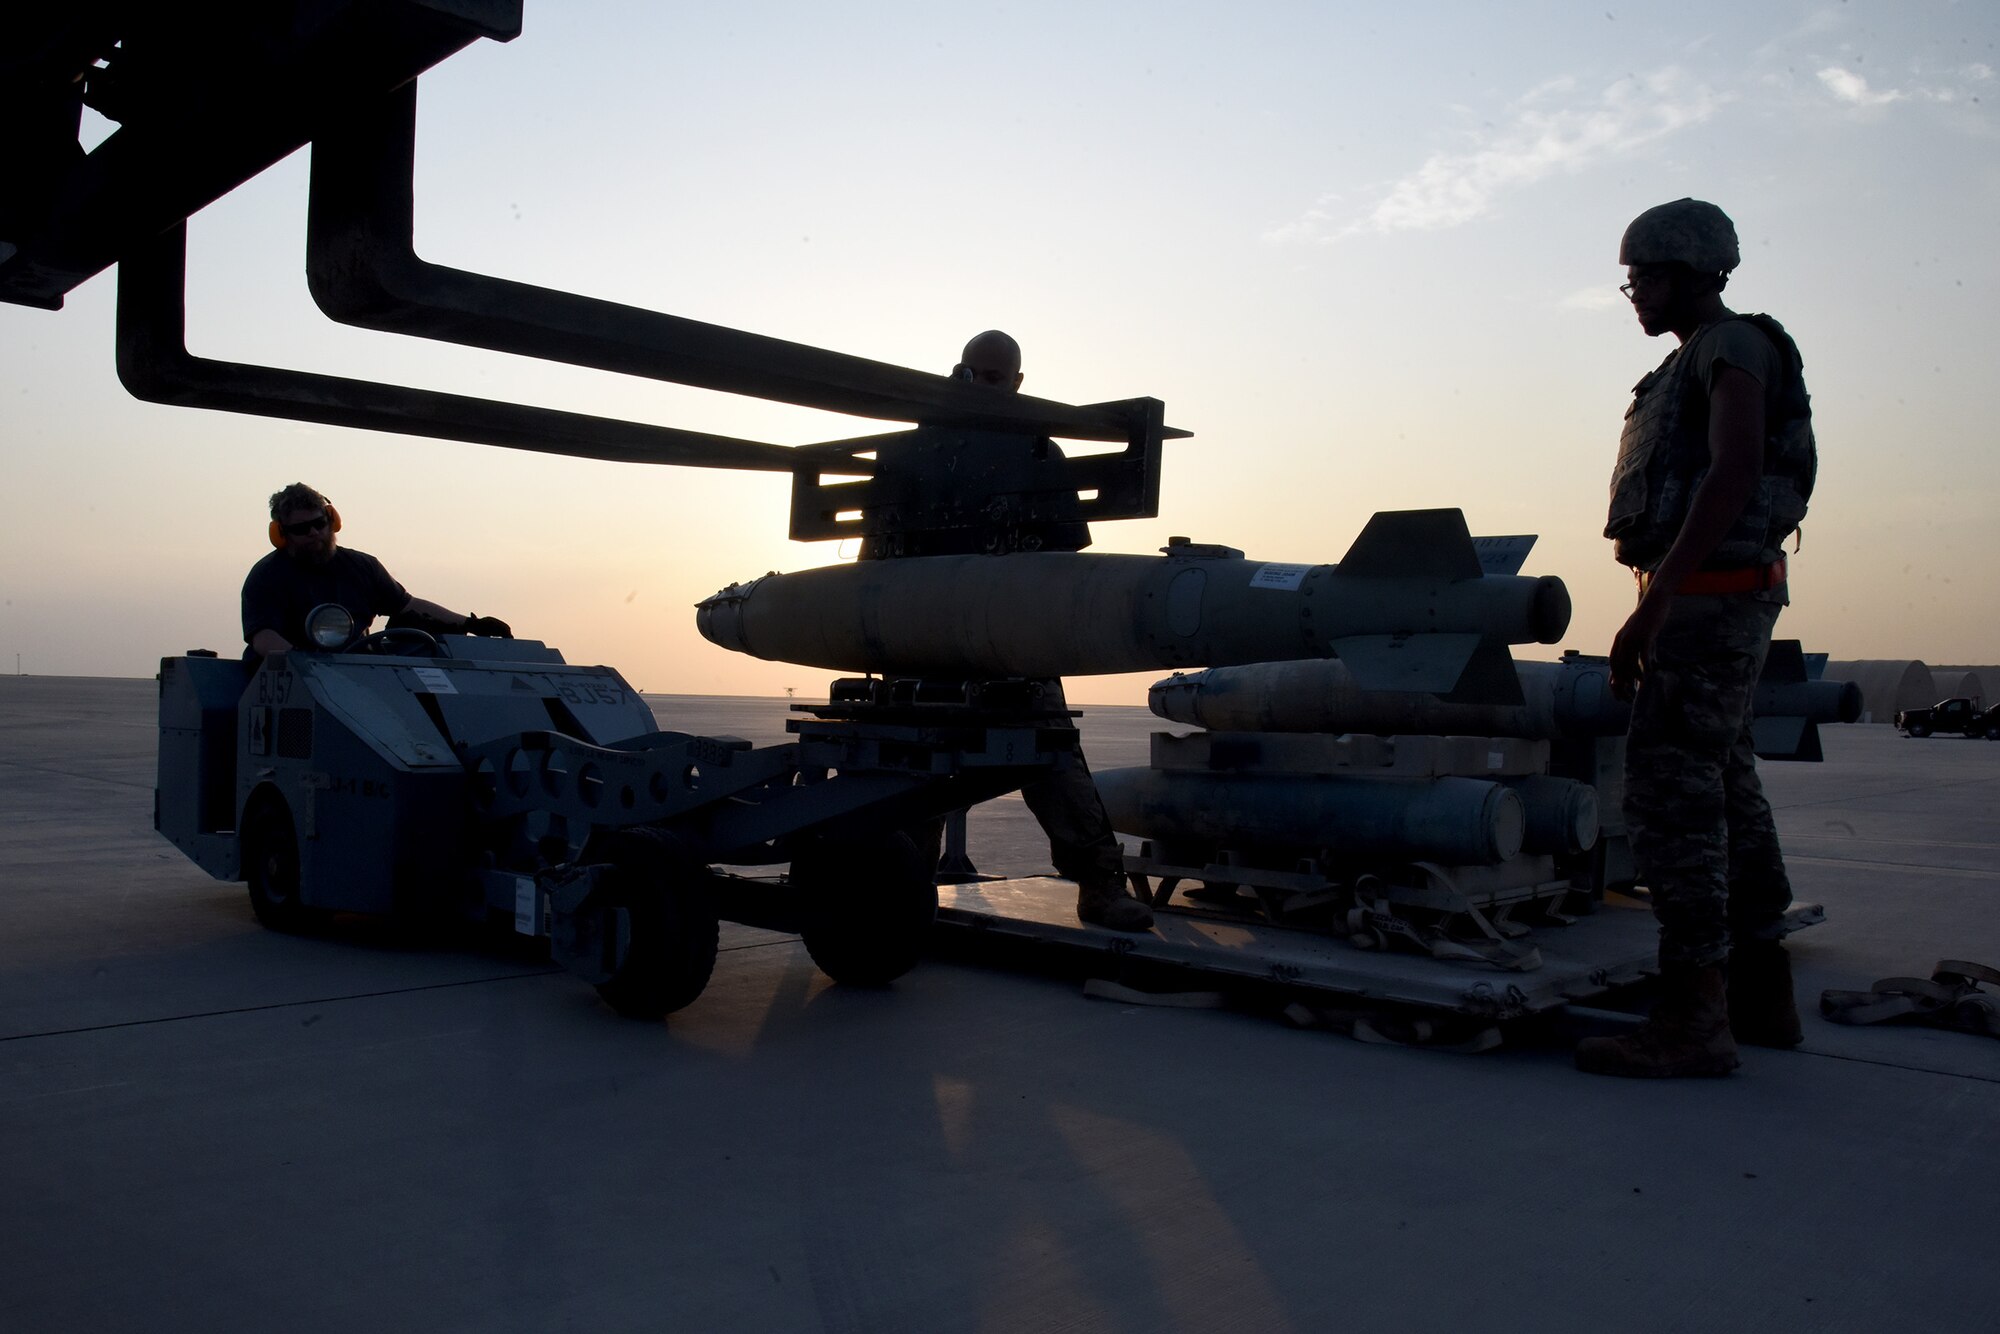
column 1714, row 469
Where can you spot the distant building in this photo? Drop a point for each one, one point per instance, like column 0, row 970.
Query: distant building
column 1981, row 681
column 1954, row 682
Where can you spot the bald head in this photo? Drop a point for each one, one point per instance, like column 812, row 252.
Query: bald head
column 991, row 359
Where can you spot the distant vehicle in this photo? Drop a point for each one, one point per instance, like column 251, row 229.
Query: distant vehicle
column 1962, row 716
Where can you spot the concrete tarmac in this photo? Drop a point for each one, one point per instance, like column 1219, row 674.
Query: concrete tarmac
column 208, row 1126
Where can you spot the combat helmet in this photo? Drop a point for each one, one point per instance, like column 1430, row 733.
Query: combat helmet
column 1687, row 231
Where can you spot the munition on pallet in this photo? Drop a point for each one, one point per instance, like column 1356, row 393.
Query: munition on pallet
column 1566, row 700
column 1449, row 826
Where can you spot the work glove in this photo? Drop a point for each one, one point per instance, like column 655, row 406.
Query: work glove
column 492, row 627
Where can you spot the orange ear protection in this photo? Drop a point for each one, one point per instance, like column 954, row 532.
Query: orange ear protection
column 277, row 530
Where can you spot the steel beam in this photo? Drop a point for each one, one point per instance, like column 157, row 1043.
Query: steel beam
column 206, row 100
column 155, row 365
column 363, row 269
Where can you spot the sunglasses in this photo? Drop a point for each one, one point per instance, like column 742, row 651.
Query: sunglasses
column 305, row 527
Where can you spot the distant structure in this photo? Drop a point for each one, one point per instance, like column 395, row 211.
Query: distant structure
column 1971, row 681
column 1888, row 686
column 1956, row 682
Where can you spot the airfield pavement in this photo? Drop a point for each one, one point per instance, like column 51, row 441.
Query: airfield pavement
column 208, row 1126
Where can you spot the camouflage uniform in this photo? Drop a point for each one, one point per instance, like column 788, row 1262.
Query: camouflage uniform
column 1066, row 804
column 1071, row 813
column 1701, row 830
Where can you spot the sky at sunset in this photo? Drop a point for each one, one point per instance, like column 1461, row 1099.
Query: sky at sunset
column 1366, row 253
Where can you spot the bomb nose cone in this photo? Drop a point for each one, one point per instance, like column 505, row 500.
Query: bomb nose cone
column 719, row 616
column 1549, row 616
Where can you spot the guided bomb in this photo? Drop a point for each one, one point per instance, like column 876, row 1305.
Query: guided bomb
column 1570, row 699
column 1431, row 841
column 1407, row 608
column 1461, row 820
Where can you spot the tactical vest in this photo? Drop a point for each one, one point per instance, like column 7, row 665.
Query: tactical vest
column 1663, row 457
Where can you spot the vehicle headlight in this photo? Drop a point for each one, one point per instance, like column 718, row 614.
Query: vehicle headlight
column 330, row 625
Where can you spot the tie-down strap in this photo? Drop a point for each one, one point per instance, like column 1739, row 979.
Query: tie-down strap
column 1950, row 998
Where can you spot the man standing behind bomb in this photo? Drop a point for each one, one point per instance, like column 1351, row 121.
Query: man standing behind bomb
column 1065, row 804
column 1714, row 469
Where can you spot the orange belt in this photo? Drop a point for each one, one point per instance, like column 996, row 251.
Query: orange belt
column 1750, row 579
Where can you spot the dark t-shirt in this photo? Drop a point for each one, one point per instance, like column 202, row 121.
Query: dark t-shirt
column 965, row 480
column 1743, row 345
column 279, row 591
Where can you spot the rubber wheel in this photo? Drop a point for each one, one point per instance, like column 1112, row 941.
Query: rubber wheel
column 670, row 931
column 271, row 864
column 869, row 906
column 1920, row 730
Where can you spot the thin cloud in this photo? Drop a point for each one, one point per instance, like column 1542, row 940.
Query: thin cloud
column 1544, row 136
column 1851, row 88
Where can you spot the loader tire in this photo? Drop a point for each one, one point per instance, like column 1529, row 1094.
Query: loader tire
column 667, row 942
column 869, row 905
column 271, row 863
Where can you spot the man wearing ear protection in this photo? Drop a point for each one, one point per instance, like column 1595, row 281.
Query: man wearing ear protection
column 309, row 567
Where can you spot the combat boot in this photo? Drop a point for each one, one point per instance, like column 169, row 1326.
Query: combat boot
column 1763, row 1012
column 1688, row 1033
column 1106, row 903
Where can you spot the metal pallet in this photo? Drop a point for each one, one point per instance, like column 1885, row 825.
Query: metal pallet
column 1601, row 952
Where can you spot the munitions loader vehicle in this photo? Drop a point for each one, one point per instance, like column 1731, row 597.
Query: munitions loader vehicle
column 488, row 780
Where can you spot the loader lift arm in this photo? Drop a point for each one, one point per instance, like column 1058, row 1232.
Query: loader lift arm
column 208, row 99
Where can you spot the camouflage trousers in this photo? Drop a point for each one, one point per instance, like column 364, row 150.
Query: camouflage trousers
column 1701, row 830
column 1070, row 812
column 1066, row 805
